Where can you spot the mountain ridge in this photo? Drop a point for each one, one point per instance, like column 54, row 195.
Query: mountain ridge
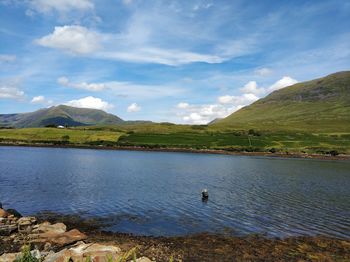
column 59, row 115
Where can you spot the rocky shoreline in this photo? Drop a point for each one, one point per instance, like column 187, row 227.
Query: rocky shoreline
column 70, row 238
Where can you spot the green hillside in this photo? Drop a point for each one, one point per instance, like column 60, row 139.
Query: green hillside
column 321, row 105
column 60, row 115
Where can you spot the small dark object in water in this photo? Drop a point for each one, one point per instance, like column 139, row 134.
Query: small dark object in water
column 0, row 205
column 14, row 212
column 205, row 194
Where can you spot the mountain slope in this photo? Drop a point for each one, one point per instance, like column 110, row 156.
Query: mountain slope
column 60, row 115
column 321, row 105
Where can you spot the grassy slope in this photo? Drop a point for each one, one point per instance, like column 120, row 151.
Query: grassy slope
column 182, row 137
column 76, row 136
column 321, row 105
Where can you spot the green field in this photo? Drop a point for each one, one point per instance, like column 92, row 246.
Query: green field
column 182, row 136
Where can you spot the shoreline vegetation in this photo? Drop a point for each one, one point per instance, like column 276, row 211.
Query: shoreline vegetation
column 167, row 137
column 44, row 234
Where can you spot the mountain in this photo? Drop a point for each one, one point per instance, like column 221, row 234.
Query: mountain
column 321, row 105
column 60, row 115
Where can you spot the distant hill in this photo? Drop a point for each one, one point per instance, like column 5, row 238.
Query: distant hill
column 60, row 115
column 321, row 105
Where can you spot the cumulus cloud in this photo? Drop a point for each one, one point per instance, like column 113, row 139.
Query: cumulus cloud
column 202, row 114
column 182, row 105
column 90, row 102
column 41, row 100
column 64, row 81
column 227, row 104
column 252, row 88
column 7, row 58
column 263, row 71
column 243, row 99
column 61, row 6
column 283, row 82
column 73, row 39
column 133, row 108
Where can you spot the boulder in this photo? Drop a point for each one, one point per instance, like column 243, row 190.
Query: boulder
column 9, row 257
column 6, row 230
column 58, row 239
column 46, row 227
column 3, row 213
column 25, row 224
column 82, row 251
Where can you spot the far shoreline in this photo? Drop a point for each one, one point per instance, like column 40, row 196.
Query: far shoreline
column 186, row 150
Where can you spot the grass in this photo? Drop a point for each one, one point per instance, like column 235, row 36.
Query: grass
column 73, row 136
column 181, row 136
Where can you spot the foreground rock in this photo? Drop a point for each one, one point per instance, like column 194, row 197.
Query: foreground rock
column 49, row 237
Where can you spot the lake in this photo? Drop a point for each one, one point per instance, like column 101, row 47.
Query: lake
column 159, row 193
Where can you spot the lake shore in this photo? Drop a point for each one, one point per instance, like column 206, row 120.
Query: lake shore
column 189, row 150
column 198, row 247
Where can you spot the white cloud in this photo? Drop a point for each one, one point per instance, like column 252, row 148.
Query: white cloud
column 243, row 99
column 64, row 81
column 202, row 114
column 7, row 58
column 9, row 89
column 252, row 88
column 133, row 108
column 90, row 102
column 79, row 40
column 61, row 6
column 283, row 82
column 182, row 105
column 263, row 71
column 41, row 100
column 73, row 39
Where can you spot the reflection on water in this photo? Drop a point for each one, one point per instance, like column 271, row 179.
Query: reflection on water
column 160, row 193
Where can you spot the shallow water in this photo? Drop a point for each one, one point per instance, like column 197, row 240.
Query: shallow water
column 158, row 193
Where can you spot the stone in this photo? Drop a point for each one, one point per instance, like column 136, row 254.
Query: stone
column 143, row 259
column 3, row 213
column 46, row 227
column 25, row 224
column 9, row 257
column 82, row 251
column 58, row 239
column 6, row 230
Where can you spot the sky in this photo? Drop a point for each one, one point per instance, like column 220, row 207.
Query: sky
column 184, row 61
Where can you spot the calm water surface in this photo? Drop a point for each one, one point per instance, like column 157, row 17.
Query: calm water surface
column 159, row 193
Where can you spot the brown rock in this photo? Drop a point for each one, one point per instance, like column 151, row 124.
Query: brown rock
column 3, row 213
column 61, row 239
column 25, row 224
column 46, row 227
column 9, row 257
column 81, row 251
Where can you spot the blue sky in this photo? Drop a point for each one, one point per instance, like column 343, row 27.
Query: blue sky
column 178, row 61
